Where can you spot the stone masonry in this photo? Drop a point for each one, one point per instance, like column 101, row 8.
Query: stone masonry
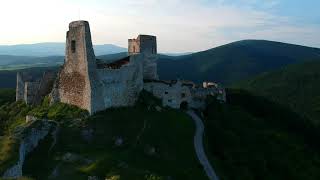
column 33, row 90
column 95, row 85
column 146, row 46
column 92, row 85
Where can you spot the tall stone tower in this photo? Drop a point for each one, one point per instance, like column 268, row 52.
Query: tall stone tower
column 146, row 45
column 19, row 87
column 77, row 79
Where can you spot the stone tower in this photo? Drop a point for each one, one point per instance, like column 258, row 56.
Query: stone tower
column 77, row 81
column 146, row 46
column 19, row 87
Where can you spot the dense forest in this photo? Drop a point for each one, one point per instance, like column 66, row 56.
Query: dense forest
column 252, row 137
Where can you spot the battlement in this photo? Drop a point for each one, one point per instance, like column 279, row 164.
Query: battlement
column 75, row 24
column 143, row 44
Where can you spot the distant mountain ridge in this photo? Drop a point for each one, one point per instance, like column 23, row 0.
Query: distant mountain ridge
column 235, row 61
column 53, row 49
column 225, row 64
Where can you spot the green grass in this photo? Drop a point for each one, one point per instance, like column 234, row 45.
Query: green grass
column 8, row 152
column 170, row 132
column 141, row 127
column 253, row 138
column 12, row 116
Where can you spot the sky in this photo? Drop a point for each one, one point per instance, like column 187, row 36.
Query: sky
column 180, row 25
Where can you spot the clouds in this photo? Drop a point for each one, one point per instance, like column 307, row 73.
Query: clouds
column 181, row 25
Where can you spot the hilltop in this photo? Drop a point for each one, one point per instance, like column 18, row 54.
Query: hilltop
column 296, row 86
column 235, row 61
column 252, row 137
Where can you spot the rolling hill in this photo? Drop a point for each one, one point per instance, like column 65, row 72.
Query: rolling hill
column 236, row 61
column 226, row 64
column 296, row 86
column 52, row 49
column 8, row 62
column 254, row 138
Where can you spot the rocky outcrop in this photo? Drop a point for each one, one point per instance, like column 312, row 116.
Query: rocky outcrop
column 30, row 136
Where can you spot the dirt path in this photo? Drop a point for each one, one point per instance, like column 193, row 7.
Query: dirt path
column 198, row 145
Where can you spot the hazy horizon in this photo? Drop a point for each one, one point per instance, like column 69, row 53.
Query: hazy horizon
column 181, row 26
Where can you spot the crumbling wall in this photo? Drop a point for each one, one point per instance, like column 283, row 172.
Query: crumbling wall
column 20, row 87
column 45, row 86
column 30, row 89
column 121, row 87
column 150, row 70
column 175, row 93
column 77, row 81
column 172, row 94
column 133, row 46
column 146, row 45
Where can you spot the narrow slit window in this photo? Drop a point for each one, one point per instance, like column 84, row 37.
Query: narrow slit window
column 73, row 46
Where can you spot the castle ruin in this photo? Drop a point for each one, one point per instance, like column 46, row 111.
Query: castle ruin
column 95, row 85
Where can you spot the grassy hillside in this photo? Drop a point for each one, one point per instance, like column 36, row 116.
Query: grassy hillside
column 296, row 86
column 236, row 61
column 252, row 138
column 155, row 145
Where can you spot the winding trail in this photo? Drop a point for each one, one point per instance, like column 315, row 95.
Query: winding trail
column 198, row 145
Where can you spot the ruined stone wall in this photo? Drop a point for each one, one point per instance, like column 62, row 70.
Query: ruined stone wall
column 30, row 89
column 33, row 90
column 172, row 95
column 19, row 87
column 146, row 45
column 150, row 70
column 121, row 87
column 133, row 46
column 77, row 81
column 45, row 86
